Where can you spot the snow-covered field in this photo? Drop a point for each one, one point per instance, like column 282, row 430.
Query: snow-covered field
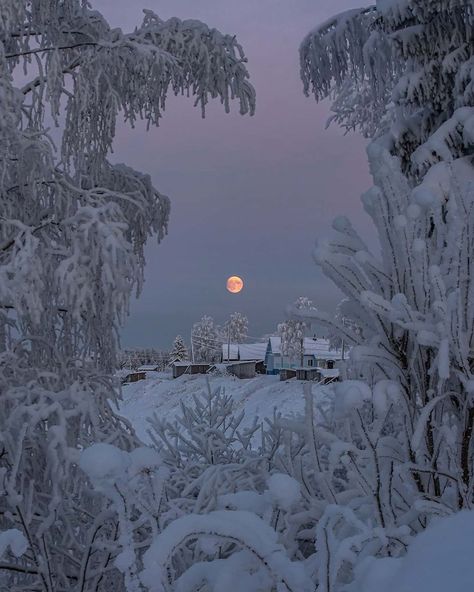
column 258, row 396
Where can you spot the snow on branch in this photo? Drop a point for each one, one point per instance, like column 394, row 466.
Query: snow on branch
column 335, row 50
column 244, row 529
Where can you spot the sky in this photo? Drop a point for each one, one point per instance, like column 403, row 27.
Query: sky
column 249, row 195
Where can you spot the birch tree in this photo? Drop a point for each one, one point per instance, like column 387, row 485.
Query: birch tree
column 72, row 232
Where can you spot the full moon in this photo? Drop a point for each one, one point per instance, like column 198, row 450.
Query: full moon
column 234, row 284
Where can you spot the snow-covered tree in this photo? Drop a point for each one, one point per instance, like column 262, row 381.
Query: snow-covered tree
column 236, row 328
column 401, row 68
column 342, row 318
column 205, row 340
column 404, row 432
column 72, row 233
column 179, row 351
column 293, row 330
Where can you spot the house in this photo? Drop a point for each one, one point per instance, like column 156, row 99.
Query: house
column 316, row 354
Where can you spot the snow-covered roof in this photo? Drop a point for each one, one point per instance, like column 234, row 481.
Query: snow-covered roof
column 230, row 353
column 319, row 348
column 329, row 372
column 148, row 368
column 238, row 362
column 252, row 351
column 244, row 351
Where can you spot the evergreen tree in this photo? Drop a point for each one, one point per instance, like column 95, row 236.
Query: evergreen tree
column 179, row 351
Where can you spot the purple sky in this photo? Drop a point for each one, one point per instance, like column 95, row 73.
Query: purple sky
column 249, row 195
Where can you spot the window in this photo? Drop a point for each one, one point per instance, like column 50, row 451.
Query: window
column 330, row 364
column 310, row 362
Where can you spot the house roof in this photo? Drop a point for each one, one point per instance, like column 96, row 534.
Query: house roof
column 252, row 351
column 148, row 368
column 319, row 348
column 233, row 351
column 244, row 351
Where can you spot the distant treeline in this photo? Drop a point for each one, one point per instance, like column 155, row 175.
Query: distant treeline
column 134, row 358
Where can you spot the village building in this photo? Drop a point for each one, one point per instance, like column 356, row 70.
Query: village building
column 318, row 361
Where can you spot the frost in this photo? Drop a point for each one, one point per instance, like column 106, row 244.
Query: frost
column 13, row 540
column 73, row 229
column 246, row 529
column 438, row 560
column 424, row 197
column 350, row 395
column 104, row 464
column 284, row 490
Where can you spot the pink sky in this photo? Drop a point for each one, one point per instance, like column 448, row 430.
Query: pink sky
column 249, row 195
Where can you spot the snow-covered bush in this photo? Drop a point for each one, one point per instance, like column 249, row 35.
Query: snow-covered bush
column 226, row 510
column 439, row 559
column 72, row 234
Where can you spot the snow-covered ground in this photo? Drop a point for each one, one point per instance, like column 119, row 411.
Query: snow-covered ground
column 258, row 396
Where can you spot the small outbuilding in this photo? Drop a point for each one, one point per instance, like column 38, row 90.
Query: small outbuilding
column 180, row 368
column 245, row 369
column 133, row 377
column 308, row 374
column 287, row 373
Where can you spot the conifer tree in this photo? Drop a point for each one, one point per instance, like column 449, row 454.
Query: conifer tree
column 179, row 351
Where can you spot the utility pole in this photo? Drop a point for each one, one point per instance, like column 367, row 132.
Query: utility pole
column 192, row 347
column 302, row 352
column 228, row 343
column 343, row 344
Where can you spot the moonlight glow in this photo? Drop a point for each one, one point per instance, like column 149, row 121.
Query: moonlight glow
column 234, row 284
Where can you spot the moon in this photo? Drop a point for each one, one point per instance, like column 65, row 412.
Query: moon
column 234, row 284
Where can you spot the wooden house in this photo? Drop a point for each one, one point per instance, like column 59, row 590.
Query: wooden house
column 316, row 354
